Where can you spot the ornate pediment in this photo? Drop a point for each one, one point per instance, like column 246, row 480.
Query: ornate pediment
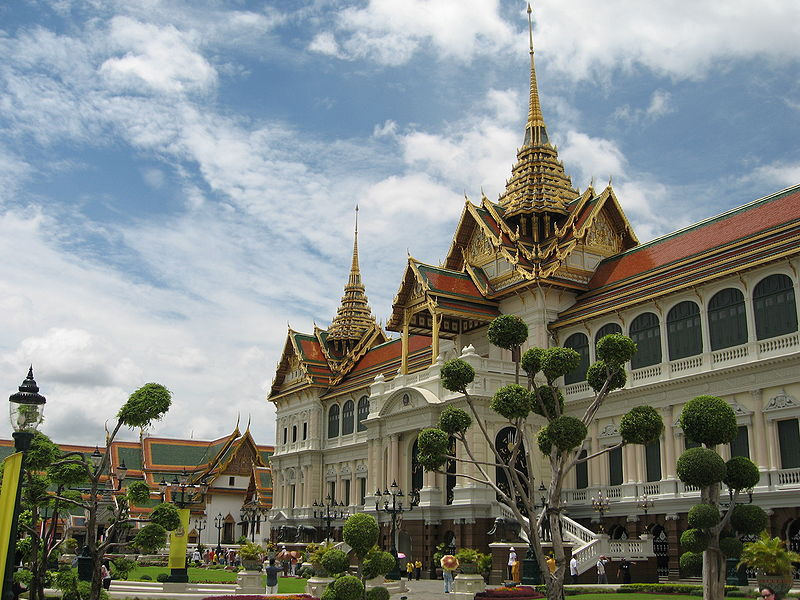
column 479, row 249
column 602, row 235
column 610, row 430
column 781, row 401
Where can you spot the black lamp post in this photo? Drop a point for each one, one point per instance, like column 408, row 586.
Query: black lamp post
column 645, row 504
column 600, row 505
column 183, row 494
column 327, row 516
column 219, row 523
column 396, row 508
column 200, row 526
column 26, row 411
column 251, row 514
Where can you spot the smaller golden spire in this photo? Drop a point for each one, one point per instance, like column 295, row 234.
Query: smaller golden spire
column 535, row 130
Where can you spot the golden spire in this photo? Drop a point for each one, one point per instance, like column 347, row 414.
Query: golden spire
column 538, row 182
column 535, row 131
column 354, row 316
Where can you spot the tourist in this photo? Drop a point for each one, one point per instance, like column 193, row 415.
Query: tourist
column 418, row 569
column 410, row 569
column 624, row 571
column 512, row 558
column 449, row 564
column 551, row 563
column 573, row 569
column 272, row 577
column 601, row 569
column 767, row 593
column 105, row 574
column 196, row 557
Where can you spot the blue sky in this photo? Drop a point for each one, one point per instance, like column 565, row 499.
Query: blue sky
column 177, row 179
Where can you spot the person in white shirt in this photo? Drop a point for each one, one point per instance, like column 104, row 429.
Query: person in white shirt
column 601, row 569
column 512, row 558
column 573, row 569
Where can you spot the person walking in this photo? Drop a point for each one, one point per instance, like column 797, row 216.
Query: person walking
column 196, row 557
column 272, row 577
column 624, row 571
column 410, row 569
column 449, row 564
column 512, row 558
column 573, row 569
column 105, row 574
column 551, row 563
column 418, row 569
column 601, row 569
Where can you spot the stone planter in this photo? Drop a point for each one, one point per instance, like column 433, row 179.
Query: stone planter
column 466, row 586
column 469, row 568
column 251, row 564
column 317, row 584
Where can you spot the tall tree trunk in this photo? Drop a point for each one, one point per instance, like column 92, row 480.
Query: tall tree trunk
column 713, row 560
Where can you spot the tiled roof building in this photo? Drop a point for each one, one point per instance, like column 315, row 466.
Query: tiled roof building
column 712, row 308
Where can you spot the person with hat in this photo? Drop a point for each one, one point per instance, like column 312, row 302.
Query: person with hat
column 601, row 569
column 512, row 558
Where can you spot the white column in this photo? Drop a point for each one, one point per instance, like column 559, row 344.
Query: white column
column 759, row 430
column 668, row 456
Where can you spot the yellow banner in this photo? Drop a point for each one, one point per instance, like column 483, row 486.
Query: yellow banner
column 12, row 466
column 177, row 541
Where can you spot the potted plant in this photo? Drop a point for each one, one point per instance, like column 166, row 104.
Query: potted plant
column 250, row 554
column 772, row 562
column 468, row 559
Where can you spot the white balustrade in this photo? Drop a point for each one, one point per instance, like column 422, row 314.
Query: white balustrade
column 729, row 354
column 686, row 364
column 779, row 344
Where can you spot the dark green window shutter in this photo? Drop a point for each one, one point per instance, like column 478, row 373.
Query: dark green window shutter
column 774, row 307
column 789, row 441
column 683, row 331
column 333, row 422
column 605, row 330
column 580, row 343
column 652, row 453
column 615, row 467
column 582, row 473
column 741, row 445
column 646, row 332
column 727, row 322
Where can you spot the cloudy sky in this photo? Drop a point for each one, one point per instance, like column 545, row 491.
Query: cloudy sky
column 177, row 179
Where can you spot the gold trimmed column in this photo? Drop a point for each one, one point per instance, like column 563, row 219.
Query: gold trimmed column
column 437, row 319
column 404, row 360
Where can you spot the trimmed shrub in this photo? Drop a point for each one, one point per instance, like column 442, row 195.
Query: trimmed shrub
column 741, row 473
column 700, row 467
column 532, row 361
column 544, row 441
column 457, row 375
column 691, row 564
column 547, row 396
column 703, row 516
column 709, row 420
column 433, row 445
column 360, row 532
column 567, row 432
column 511, row 401
column 162, row 577
column 694, row 540
column 145, row 405
column 454, row 420
column 507, row 331
column 378, row 593
column 377, row 562
column 731, row 547
column 596, row 376
column 641, row 425
column 748, row 519
column 348, row 587
column 615, row 349
column 334, row 560
column 557, row 362
column 329, row 593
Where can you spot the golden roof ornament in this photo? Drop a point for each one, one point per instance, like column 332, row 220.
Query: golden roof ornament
column 538, row 182
column 354, row 316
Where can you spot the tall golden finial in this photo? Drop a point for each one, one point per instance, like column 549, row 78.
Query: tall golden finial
column 535, row 132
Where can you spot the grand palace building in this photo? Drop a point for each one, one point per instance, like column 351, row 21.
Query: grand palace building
column 712, row 308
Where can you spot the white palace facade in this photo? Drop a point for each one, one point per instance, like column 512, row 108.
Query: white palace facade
column 712, row 308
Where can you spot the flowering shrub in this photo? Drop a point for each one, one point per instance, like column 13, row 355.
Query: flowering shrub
column 519, row 592
column 263, row 597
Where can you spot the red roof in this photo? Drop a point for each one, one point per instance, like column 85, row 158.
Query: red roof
column 311, row 349
column 703, row 237
column 456, row 283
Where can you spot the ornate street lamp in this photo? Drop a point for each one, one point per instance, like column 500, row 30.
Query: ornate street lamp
column 326, row 515
column 645, row 503
column 200, row 526
column 600, row 505
column 219, row 523
column 396, row 508
column 252, row 515
column 26, row 409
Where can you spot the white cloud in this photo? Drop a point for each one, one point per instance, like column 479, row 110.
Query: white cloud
column 777, row 175
column 324, row 43
column 162, row 58
column 660, row 104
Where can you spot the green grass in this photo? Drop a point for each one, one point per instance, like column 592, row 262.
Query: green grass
column 286, row 585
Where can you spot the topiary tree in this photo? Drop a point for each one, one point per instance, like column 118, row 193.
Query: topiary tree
column 708, row 543
column 360, row 532
column 509, row 332
column 560, row 438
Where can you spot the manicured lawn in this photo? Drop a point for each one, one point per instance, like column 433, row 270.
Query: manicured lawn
column 286, row 585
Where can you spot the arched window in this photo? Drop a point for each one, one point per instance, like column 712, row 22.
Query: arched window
column 363, row 413
column 348, row 411
column 605, row 330
column 774, row 307
column 580, row 343
column 727, row 322
column 333, row 421
column 684, row 337
column 646, row 332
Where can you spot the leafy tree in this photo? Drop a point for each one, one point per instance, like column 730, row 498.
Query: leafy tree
column 46, row 468
column 708, row 542
column 560, row 439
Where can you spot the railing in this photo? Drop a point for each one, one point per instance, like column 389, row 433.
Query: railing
column 789, row 477
column 686, row 364
column 785, row 342
column 646, row 373
column 577, row 388
column 728, row 354
column 587, row 555
column 614, row 492
column 577, row 531
column 652, row 488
